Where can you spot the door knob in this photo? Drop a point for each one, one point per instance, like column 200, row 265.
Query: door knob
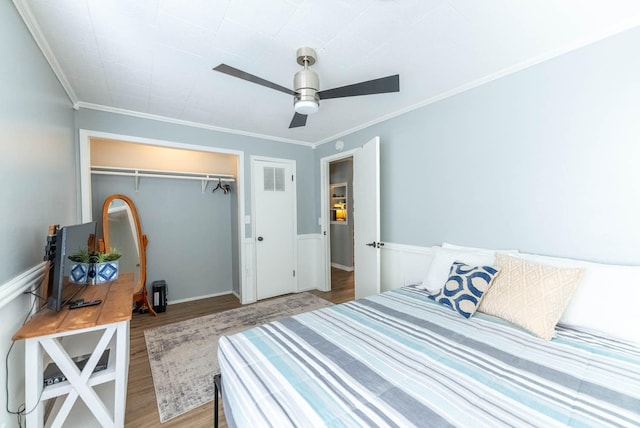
column 372, row 244
column 260, row 238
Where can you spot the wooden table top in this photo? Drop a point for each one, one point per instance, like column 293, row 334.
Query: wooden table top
column 116, row 306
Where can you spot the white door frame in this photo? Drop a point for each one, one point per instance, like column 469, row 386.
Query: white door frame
column 325, row 220
column 85, row 136
column 292, row 164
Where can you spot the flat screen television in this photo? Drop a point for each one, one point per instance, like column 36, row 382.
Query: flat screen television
column 68, row 240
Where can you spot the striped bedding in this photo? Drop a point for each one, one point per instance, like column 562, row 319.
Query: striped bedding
column 400, row 359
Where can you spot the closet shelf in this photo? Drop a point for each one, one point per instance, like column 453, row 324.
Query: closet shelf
column 204, row 177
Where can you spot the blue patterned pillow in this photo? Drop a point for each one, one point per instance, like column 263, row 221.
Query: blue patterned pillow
column 465, row 287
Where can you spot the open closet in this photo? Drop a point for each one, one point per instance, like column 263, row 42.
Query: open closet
column 187, row 201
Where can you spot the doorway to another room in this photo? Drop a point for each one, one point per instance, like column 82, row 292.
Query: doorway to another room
column 341, row 225
column 359, row 205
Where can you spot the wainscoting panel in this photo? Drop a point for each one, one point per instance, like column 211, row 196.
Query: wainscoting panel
column 249, row 292
column 310, row 273
column 14, row 309
column 402, row 265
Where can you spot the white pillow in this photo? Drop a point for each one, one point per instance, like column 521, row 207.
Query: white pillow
column 552, row 261
column 460, row 247
column 442, row 260
column 607, row 299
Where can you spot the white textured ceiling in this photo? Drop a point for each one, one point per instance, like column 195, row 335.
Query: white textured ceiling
column 154, row 57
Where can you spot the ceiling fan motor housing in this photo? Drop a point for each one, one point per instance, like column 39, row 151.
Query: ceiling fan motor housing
column 306, row 83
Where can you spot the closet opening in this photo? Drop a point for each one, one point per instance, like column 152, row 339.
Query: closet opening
column 190, row 203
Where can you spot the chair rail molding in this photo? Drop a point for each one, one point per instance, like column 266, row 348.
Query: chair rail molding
column 25, row 281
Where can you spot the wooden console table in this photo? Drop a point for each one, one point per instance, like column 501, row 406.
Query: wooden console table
column 44, row 332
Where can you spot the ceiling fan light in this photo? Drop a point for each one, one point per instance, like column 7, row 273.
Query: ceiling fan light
column 306, row 106
column 306, row 101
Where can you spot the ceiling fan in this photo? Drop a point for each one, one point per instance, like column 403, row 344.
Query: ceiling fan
column 306, row 93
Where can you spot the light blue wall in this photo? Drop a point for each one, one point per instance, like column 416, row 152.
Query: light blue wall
column 546, row 160
column 222, row 265
column 38, row 176
column 38, row 162
column 190, row 233
column 146, row 128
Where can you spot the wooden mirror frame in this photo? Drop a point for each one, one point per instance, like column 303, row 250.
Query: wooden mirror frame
column 140, row 294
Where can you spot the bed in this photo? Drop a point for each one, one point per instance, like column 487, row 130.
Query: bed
column 401, row 359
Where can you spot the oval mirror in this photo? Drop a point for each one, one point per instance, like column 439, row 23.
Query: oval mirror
column 121, row 230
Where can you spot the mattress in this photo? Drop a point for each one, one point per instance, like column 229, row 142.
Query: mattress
column 400, row 359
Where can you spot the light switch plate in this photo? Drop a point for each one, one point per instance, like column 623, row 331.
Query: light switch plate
column 247, row 219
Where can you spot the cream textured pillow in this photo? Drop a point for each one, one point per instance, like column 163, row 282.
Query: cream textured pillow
column 531, row 295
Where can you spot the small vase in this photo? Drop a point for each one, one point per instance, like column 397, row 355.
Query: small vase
column 79, row 273
column 106, row 272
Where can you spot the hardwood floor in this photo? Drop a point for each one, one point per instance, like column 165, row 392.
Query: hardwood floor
column 142, row 408
column 341, row 287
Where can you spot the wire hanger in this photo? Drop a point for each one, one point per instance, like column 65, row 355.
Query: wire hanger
column 226, row 188
column 219, row 186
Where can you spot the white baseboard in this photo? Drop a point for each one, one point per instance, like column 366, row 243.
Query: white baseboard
column 191, row 299
column 342, row 267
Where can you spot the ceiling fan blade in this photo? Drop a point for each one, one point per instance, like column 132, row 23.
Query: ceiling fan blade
column 231, row 71
column 298, row 120
column 370, row 87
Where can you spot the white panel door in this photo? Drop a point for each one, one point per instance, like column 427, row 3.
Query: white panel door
column 274, row 214
column 366, row 216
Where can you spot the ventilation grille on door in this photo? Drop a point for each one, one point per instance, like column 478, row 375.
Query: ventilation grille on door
column 273, row 179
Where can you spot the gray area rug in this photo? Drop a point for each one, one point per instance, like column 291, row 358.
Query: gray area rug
column 184, row 355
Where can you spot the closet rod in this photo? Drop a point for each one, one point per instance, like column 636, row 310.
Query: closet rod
column 204, row 177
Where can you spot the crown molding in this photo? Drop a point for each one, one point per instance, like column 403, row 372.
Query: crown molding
column 610, row 32
column 27, row 16
column 149, row 116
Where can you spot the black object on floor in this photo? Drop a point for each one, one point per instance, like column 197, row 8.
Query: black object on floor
column 159, row 295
